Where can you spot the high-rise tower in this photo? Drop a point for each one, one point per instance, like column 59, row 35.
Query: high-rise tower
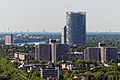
column 76, row 28
column 63, row 36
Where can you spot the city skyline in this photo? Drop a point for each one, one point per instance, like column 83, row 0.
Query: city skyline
column 40, row 15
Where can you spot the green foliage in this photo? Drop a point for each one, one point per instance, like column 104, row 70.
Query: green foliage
column 98, row 73
column 9, row 71
column 73, row 74
column 59, row 63
column 66, row 75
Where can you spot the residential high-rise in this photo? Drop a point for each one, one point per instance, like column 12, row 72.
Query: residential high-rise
column 51, row 51
column 59, row 51
column 9, row 39
column 92, row 53
column 43, row 52
column 101, row 53
column 111, row 53
column 76, row 28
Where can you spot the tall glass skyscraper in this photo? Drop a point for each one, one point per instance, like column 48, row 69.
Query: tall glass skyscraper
column 76, row 28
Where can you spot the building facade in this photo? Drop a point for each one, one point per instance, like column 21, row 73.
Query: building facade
column 92, row 53
column 111, row 53
column 50, row 72
column 75, row 55
column 102, row 54
column 59, row 51
column 76, row 28
column 43, row 52
column 9, row 40
column 51, row 52
column 63, row 36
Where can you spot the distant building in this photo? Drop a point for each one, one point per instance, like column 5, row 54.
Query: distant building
column 102, row 50
column 92, row 53
column 76, row 28
column 51, row 52
column 9, row 39
column 22, row 56
column 28, row 67
column 75, row 55
column 59, row 51
column 16, row 55
column 111, row 53
column 50, row 72
column 101, row 53
column 63, row 36
column 54, row 41
column 68, row 66
column 43, row 52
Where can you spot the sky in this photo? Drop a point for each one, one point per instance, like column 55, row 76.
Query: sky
column 50, row 15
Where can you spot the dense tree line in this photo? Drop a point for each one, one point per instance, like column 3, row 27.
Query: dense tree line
column 111, row 40
column 91, row 71
column 8, row 71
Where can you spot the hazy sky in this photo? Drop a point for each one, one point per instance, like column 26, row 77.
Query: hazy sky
column 36, row 15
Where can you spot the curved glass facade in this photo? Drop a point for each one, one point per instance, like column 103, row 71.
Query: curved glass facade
column 76, row 28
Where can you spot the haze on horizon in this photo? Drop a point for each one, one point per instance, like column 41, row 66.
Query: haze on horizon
column 50, row 15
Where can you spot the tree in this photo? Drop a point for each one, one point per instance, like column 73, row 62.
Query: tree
column 66, row 75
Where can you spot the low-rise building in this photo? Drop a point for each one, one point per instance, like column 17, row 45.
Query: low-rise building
column 22, row 56
column 75, row 55
column 68, row 66
column 50, row 72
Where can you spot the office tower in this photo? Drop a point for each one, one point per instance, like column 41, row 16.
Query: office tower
column 63, row 36
column 91, row 53
column 59, row 51
column 9, row 40
column 43, row 52
column 76, row 28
